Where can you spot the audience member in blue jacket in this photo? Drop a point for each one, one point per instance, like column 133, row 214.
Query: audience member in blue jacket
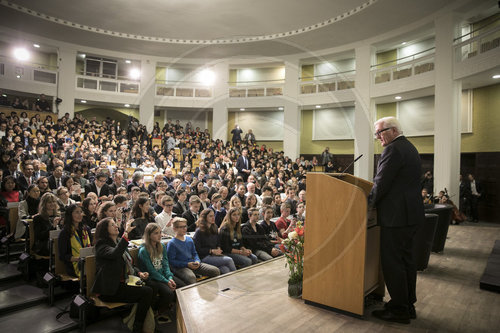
column 154, row 260
column 183, row 258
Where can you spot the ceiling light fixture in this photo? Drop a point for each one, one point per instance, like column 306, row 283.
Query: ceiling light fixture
column 36, row 45
column 496, row 76
column 403, row 43
column 83, row 55
column 128, row 61
column 83, row 101
column 127, row 105
column 207, row 77
column 318, row 106
column 18, row 76
column 242, row 109
column 134, row 74
column 21, row 54
column 398, row 97
column 281, row 108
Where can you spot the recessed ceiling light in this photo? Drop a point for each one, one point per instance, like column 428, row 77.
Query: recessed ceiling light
column 403, row 43
column 83, row 101
column 281, row 108
column 496, row 76
column 318, row 106
column 82, row 55
column 128, row 61
column 21, row 53
column 36, row 45
column 242, row 109
column 18, row 76
column 398, row 97
column 127, row 105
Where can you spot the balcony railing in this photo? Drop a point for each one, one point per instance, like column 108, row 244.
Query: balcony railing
column 327, row 82
column 264, row 88
column 27, row 71
column 477, row 42
column 183, row 89
column 104, row 83
column 415, row 64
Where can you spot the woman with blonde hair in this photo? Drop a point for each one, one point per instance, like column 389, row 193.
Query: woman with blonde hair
column 154, row 260
column 231, row 240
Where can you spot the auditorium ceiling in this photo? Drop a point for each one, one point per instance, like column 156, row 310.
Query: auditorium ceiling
column 220, row 28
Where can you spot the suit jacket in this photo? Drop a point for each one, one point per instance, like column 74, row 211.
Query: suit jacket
column 52, row 182
column 396, row 188
column 22, row 182
column 178, row 209
column 191, row 220
column 93, row 188
column 110, row 266
column 240, row 164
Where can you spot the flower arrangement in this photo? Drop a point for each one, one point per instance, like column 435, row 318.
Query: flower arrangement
column 293, row 249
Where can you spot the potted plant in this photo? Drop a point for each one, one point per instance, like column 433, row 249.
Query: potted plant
column 293, row 249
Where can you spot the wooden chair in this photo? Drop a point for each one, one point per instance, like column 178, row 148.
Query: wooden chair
column 8, row 240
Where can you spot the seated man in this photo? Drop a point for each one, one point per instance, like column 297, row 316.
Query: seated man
column 191, row 215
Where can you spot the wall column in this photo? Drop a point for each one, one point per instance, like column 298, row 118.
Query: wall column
column 364, row 111
column 291, row 129
column 147, row 94
column 219, row 107
column 66, row 82
column 447, row 127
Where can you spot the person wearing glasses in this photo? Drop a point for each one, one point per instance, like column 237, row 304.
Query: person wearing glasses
column 164, row 219
column 396, row 193
column 100, row 188
column 183, row 258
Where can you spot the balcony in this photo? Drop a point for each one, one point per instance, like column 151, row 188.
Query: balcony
column 33, row 72
column 413, row 65
column 183, row 89
column 104, row 83
column 327, row 83
column 477, row 42
column 267, row 88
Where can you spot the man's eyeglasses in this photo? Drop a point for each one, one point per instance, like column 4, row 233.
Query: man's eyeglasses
column 377, row 133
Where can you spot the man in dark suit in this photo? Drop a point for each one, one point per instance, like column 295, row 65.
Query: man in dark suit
column 476, row 190
column 25, row 179
column 56, row 179
column 192, row 214
column 243, row 165
column 396, row 194
column 100, row 188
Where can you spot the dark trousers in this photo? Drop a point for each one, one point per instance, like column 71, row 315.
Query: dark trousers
column 474, row 201
column 400, row 274
column 166, row 296
column 130, row 294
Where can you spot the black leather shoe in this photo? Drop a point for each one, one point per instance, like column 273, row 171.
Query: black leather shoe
column 388, row 315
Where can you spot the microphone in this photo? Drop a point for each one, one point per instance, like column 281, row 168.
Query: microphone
column 357, row 158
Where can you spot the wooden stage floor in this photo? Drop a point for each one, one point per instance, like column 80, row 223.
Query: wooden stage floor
column 255, row 299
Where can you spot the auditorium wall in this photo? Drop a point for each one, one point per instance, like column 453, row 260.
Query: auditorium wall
column 276, row 145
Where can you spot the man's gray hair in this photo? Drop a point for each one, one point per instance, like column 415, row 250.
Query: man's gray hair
column 137, row 176
column 390, row 122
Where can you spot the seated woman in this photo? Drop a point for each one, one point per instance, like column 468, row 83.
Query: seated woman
column 254, row 237
column 207, row 243
column 43, row 185
column 183, row 258
column 89, row 206
column 46, row 220
column 64, row 199
column 113, row 265
column 10, row 190
column 27, row 208
column 73, row 237
column 154, row 260
column 140, row 214
column 230, row 239
column 74, row 189
column 106, row 209
column 250, row 202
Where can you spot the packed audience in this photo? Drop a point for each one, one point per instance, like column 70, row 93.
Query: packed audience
column 201, row 207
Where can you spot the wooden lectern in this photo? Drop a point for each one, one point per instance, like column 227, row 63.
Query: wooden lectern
column 341, row 246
